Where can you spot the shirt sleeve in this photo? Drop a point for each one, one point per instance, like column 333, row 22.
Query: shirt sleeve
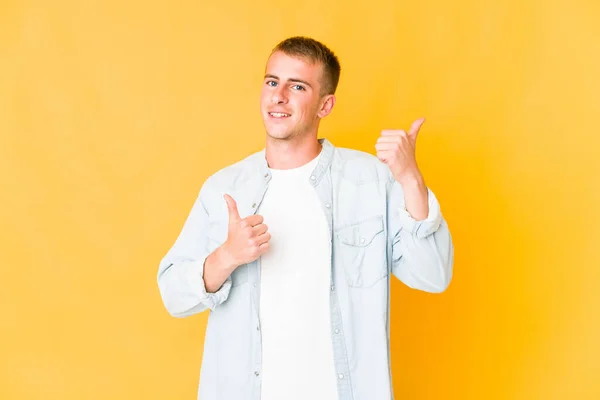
column 181, row 271
column 422, row 251
column 426, row 227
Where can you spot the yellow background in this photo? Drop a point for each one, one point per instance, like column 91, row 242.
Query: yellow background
column 112, row 114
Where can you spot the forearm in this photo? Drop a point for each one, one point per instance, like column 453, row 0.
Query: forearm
column 217, row 267
column 415, row 197
column 182, row 288
column 427, row 262
column 422, row 251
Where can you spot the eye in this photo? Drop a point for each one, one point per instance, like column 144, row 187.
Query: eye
column 272, row 83
column 298, row 87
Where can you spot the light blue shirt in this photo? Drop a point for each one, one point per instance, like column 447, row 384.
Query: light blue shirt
column 372, row 237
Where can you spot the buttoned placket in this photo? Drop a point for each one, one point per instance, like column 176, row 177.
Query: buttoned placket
column 320, row 179
column 254, row 277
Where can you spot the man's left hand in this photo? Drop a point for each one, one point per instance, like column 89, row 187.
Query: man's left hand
column 396, row 148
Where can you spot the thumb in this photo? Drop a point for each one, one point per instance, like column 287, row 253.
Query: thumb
column 234, row 214
column 415, row 127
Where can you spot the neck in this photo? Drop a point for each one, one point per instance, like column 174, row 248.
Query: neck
column 293, row 153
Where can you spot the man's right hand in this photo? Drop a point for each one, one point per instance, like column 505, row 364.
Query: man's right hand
column 247, row 239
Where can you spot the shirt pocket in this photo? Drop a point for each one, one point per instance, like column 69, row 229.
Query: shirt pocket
column 362, row 252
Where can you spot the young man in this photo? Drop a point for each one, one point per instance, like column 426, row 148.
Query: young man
column 292, row 249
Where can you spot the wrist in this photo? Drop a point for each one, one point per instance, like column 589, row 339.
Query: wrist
column 225, row 259
column 411, row 180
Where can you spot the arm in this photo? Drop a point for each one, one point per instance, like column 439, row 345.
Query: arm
column 422, row 250
column 190, row 279
column 217, row 268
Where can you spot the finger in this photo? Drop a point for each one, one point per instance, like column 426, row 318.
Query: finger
column 392, row 132
column 264, row 238
column 382, row 159
column 383, row 156
column 234, row 214
column 254, row 220
column 387, row 146
column 263, row 248
column 389, row 139
column 259, row 229
column 415, row 127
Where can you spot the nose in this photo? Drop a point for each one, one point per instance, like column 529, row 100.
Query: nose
column 279, row 96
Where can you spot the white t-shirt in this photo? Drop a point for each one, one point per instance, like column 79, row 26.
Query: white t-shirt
column 297, row 359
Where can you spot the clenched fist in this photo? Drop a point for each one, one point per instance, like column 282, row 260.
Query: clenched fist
column 396, row 148
column 247, row 239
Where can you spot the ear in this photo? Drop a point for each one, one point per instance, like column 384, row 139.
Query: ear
column 327, row 104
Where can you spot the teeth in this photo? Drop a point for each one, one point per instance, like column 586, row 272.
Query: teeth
column 279, row 115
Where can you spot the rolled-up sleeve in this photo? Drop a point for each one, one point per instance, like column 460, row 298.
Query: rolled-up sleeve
column 181, row 271
column 422, row 251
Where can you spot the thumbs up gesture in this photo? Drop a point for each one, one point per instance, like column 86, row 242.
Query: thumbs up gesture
column 396, row 148
column 247, row 238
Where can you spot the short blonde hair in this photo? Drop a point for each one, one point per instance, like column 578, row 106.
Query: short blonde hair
column 315, row 52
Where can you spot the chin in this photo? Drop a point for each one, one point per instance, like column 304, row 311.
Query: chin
column 278, row 134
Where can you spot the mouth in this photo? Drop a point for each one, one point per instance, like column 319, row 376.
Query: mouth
column 279, row 115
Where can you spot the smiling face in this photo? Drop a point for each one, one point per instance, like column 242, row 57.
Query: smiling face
column 292, row 102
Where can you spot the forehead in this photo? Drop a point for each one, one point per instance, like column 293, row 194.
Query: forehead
column 287, row 67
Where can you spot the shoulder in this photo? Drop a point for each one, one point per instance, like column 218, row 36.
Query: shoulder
column 360, row 165
column 234, row 175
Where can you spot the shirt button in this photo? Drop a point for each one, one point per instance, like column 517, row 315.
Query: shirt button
column 341, row 376
column 266, row 175
column 362, row 240
column 256, row 373
column 312, row 177
column 332, row 288
column 327, row 205
column 337, row 331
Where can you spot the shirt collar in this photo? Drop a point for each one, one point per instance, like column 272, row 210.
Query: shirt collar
column 325, row 160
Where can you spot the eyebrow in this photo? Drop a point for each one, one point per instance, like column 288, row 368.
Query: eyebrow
column 289, row 80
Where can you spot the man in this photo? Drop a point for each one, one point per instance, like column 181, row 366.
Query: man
column 292, row 249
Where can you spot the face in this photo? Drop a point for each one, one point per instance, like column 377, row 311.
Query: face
column 291, row 101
